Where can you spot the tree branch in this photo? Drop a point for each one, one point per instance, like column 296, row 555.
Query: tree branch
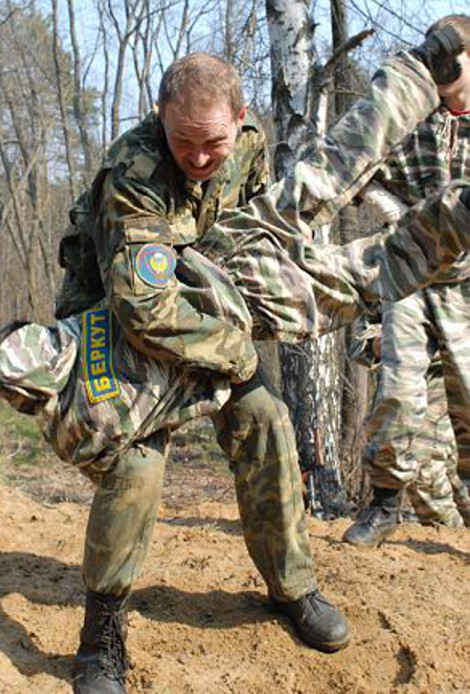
column 347, row 47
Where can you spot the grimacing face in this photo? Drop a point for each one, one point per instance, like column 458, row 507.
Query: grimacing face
column 202, row 138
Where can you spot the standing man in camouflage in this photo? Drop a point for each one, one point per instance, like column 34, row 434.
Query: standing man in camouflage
column 162, row 184
column 434, row 320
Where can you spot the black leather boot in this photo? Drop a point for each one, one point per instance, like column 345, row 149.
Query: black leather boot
column 101, row 662
column 316, row 621
column 378, row 521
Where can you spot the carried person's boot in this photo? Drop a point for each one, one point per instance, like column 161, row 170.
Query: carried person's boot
column 101, row 661
column 378, row 521
column 316, row 621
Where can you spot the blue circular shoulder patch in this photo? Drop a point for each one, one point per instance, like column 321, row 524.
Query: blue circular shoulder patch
column 155, row 264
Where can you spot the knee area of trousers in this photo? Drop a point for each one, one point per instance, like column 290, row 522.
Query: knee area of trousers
column 134, row 472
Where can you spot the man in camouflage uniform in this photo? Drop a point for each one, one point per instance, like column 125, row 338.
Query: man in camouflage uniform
column 142, row 203
column 162, row 186
column 436, row 319
column 437, row 493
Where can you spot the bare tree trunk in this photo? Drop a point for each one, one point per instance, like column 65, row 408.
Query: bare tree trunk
column 250, row 33
column 298, row 101
column 78, row 106
column 355, row 376
column 105, row 91
column 133, row 12
column 142, row 56
column 182, row 35
column 61, row 98
column 354, row 406
column 229, row 38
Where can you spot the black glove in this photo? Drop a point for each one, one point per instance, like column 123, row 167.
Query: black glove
column 439, row 51
column 465, row 197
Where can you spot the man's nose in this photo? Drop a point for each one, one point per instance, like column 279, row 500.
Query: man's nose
column 199, row 158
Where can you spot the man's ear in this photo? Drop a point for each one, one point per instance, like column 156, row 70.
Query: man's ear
column 242, row 115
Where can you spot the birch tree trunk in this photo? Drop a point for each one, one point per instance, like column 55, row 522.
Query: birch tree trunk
column 299, row 106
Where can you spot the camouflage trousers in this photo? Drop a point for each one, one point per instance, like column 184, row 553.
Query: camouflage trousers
column 408, row 425
column 255, row 432
column 438, row 494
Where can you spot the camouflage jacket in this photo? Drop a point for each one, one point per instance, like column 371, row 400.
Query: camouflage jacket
column 141, row 197
column 436, row 153
column 98, row 395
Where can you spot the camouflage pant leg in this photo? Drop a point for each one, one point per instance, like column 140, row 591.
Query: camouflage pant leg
column 401, row 398
column 450, row 305
column 432, row 497
column 436, row 454
column 122, row 517
column 256, row 433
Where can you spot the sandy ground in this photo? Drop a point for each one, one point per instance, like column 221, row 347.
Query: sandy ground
column 198, row 619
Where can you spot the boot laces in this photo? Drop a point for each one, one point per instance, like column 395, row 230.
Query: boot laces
column 113, row 658
column 317, row 602
column 314, row 602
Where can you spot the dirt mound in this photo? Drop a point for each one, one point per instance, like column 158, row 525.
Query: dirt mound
column 198, row 620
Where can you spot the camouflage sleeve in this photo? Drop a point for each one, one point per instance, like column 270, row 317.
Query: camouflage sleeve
column 393, row 174
column 389, row 266
column 297, row 290
column 335, row 168
column 167, row 310
column 401, row 95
